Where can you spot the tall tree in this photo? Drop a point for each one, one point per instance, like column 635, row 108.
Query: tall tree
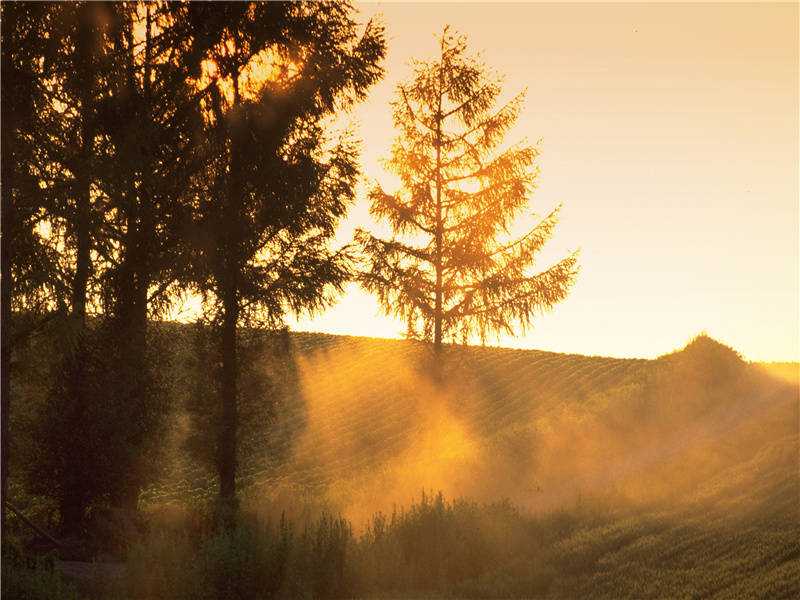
column 450, row 270
column 35, row 193
column 115, row 133
column 277, row 185
column 151, row 118
column 26, row 256
column 65, row 84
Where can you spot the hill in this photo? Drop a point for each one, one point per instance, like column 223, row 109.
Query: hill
column 363, row 427
column 673, row 477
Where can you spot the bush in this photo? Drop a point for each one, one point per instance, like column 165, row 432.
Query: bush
column 461, row 547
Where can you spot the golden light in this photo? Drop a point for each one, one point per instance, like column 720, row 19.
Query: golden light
column 269, row 67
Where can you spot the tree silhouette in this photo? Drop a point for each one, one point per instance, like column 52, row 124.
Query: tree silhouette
column 150, row 117
column 148, row 147
column 99, row 131
column 27, row 257
column 50, row 67
column 448, row 270
column 276, row 184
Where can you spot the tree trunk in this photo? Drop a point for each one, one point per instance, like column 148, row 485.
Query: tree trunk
column 83, row 196
column 228, row 393
column 72, row 508
column 5, row 358
column 6, row 288
column 230, row 299
column 131, row 336
column 133, row 288
column 438, row 313
column 73, row 501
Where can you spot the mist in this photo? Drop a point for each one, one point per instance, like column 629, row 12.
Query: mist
column 540, row 429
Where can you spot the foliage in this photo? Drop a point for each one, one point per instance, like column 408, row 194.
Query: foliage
column 129, row 176
column 267, row 381
column 448, row 271
column 275, row 185
column 26, row 256
column 460, row 547
column 111, row 153
column 30, row 257
column 252, row 561
column 66, row 467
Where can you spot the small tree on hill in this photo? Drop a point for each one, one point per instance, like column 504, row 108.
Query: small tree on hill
column 448, row 271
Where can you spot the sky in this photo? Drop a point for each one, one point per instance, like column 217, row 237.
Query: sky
column 669, row 134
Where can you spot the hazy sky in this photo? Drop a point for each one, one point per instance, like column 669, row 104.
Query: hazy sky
column 670, row 135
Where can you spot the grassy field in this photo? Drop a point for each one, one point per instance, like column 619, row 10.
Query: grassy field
column 525, row 474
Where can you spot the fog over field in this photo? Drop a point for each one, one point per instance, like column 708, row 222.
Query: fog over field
column 366, row 430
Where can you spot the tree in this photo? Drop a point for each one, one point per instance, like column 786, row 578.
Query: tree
column 276, row 185
column 108, row 154
column 450, row 270
column 31, row 257
column 150, row 117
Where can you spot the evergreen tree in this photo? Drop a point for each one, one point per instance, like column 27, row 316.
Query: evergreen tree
column 46, row 174
column 110, row 143
column 151, row 119
column 450, row 270
column 27, row 256
column 276, row 185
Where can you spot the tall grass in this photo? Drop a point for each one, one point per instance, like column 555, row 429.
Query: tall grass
column 435, row 546
column 458, row 549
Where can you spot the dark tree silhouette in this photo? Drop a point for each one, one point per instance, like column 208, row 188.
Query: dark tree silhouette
column 71, row 126
column 449, row 270
column 148, row 147
column 111, row 137
column 276, row 184
column 32, row 282
column 151, row 119
column 25, row 255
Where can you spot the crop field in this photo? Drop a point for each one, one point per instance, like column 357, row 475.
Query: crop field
column 674, row 477
column 523, row 474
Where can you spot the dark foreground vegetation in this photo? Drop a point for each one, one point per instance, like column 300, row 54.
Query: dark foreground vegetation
column 461, row 549
column 674, row 477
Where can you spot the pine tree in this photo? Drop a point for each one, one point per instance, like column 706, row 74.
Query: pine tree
column 276, row 185
column 149, row 116
column 48, row 61
column 450, row 270
column 105, row 152
column 27, row 257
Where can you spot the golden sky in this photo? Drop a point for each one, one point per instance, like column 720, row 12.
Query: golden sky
column 670, row 134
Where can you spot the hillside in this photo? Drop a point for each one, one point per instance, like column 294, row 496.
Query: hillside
column 363, row 427
column 674, row 477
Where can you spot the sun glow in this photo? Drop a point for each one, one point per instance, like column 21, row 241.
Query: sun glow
column 670, row 136
column 269, row 69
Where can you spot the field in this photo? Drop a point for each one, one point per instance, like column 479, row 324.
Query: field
column 524, row 474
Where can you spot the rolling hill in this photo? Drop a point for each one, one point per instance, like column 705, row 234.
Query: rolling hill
column 677, row 477
column 365, row 428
